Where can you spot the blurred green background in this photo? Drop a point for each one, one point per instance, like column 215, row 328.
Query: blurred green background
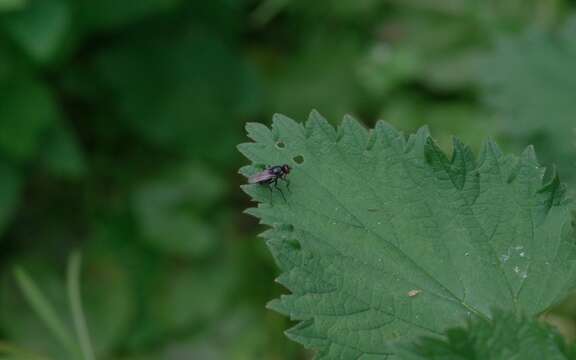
column 119, row 121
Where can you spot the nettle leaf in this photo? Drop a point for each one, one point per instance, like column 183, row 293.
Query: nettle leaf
column 507, row 337
column 382, row 238
column 535, row 89
column 523, row 79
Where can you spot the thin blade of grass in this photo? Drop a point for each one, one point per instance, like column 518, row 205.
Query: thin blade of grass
column 44, row 310
column 73, row 278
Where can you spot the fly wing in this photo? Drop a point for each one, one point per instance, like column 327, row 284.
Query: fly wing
column 261, row 176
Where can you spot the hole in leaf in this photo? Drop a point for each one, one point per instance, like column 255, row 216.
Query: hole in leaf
column 286, row 227
column 280, row 145
column 299, row 159
column 294, row 244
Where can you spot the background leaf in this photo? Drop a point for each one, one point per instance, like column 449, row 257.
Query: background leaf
column 27, row 110
column 39, row 27
column 8, row 5
column 523, row 80
column 507, row 336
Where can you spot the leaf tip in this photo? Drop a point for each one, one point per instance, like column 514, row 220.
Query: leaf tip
column 529, row 154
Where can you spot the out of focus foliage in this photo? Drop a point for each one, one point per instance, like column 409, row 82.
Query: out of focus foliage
column 506, row 336
column 119, row 120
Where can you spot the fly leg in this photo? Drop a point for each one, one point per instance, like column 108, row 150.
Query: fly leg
column 287, row 182
column 275, row 182
column 270, row 188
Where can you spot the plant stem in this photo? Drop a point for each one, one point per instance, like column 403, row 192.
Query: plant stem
column 73, row 278
column 44, row 310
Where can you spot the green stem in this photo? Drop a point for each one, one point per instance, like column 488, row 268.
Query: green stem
column 73, row 278
column 44, row 310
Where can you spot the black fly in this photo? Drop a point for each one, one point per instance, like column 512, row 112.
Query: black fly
column 270, row 176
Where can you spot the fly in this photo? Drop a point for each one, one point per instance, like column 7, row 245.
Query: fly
column 270, row 176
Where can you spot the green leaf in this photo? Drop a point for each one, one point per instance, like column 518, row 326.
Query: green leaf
column 107, row 299
column 39, row 27
column 108, row 14
column 410, row 111
column 241, row 334
column 194, row 82
column 383, row 238
column 45, row 310
column 61, row 153
column 168, row 211
column 9, row 5
column 525, row 80
column 33, row 308
column 188, row 296
column 506, row 337
column 322, row 73
column 27, row 110
column 76, row 309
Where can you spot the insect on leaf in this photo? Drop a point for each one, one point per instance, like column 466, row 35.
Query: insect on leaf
column 384, row 238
